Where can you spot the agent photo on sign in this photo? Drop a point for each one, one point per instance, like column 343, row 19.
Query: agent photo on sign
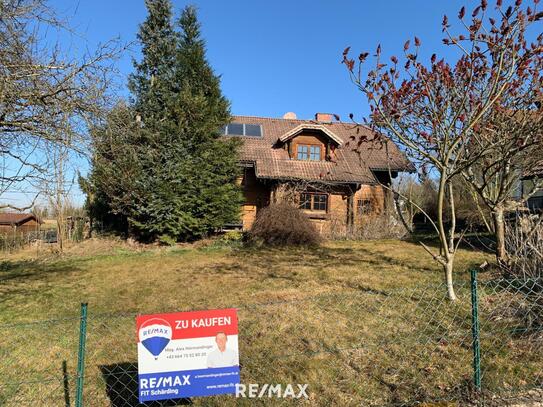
column 222, row 356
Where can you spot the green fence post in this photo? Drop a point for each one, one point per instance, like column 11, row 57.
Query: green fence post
column 81, row 356
column 475, row 332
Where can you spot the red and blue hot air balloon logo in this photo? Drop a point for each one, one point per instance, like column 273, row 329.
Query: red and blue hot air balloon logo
column 155, row 334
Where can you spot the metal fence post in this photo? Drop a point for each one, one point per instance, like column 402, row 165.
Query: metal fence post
column 475, row 331
column 81, row 356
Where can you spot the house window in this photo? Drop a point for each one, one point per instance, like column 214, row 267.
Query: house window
column 315, row 153
column 308, row 152
column 303, row 152
column 314, row 202
column 305, row 201
column 364, row 206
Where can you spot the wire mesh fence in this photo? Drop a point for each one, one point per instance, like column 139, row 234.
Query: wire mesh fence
column 18, row 239
column 511, row 320
column 365, row 347
column 11, row 242
column 37, row 362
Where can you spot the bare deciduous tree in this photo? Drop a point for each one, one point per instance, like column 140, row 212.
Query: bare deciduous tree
column 524, row 243
column 47, row 95
column 434, row 111
column 509, row 143
column 56, row 186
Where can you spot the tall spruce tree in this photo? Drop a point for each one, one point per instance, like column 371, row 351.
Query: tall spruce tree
column 124, row 150
column 116, row 166
column 189, row 181
column 151, row 83
column 168, row 172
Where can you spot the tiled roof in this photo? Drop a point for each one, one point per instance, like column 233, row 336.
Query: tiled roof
column 347, row 165
column 8, row 218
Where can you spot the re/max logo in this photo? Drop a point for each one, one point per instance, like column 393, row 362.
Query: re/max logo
column 154, row 331
column 166, row 381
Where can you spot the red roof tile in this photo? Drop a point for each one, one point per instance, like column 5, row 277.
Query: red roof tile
column 348, row 165
column 8, row 218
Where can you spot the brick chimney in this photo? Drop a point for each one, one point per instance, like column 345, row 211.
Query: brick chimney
column 324, row 117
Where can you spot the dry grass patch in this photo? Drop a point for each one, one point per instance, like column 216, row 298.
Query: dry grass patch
column 362, row 322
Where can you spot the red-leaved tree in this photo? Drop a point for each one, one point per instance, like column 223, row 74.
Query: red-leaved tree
column 434, row 110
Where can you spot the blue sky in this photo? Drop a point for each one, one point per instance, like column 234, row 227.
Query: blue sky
column 279, row 56
column 275, row 56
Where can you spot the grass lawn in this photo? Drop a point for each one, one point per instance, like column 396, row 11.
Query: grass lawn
column 113, row 277
column 360, row 322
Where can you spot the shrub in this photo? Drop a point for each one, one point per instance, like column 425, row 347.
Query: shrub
column 9, row 242
column 232, row 238
column 524, row 244
column 166, row 240
column 524, row 270
column 368, row 227
column 282, row 224
column 380, row 226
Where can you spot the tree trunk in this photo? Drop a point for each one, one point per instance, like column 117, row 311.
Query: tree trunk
column 499, row 233
column 408, row 225
column 60, row 234
column 448, row 268
column 350, row 215
column 447, row 249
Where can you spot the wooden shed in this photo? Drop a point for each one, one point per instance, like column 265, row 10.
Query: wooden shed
column 19, row 223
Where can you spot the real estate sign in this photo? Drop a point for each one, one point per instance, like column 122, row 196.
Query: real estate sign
column 187, row 354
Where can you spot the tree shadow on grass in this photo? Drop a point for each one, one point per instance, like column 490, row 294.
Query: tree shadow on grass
column 65, row 383
column 301, row 256
column 122, row 387
column 473, row 241
column 322, row 257
column 16, row 277
column 31, row 269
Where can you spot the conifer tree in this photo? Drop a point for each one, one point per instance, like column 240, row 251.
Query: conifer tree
column 151, row 83
column 194, row 188
column 185, row 183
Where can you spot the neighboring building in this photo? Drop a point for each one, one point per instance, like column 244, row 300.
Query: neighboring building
column 319, row 164
column 19, row 223
column 530, row 178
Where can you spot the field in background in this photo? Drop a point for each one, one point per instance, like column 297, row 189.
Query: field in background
column 361, row 322
column 49, row 224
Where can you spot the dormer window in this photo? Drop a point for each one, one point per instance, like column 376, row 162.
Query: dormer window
column 308, row 152
column 310, row 142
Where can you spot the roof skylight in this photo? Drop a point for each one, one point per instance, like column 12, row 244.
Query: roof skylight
column 242, row 129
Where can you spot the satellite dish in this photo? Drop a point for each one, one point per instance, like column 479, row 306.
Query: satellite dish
column 290, row 115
